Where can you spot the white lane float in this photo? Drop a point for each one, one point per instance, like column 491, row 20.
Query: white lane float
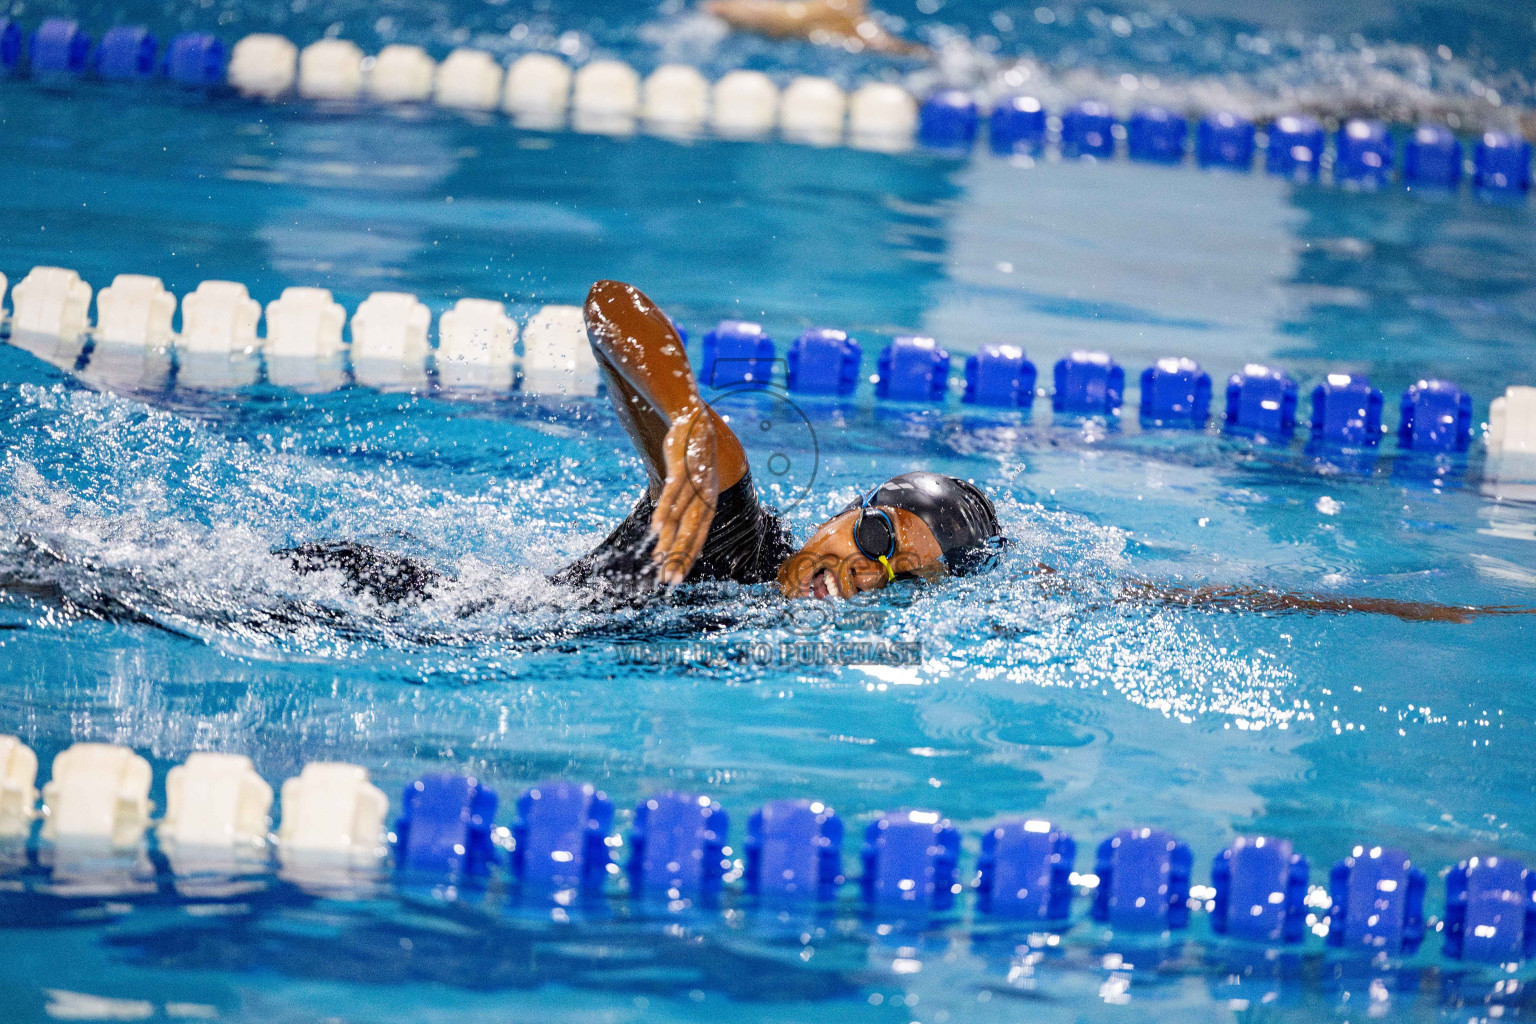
column 557, row 358
column 332, row 825
column 813, row 110
column 401, row 74
column 389, row 341
column 675, row 99
column 133, row 334
column 882, row 116
column 219, row 318
column 99, row 794
column 538, row 89
column 468, row 80
column 1510, row 470
column 216, row 808
column 50, row 313
column 263, row 66
column 303, row 345
column 52, row 302
column 744, row 104
column 18, row 788
column 475, row 346
column 331, row 69
column 135, row 309
column 605, row 98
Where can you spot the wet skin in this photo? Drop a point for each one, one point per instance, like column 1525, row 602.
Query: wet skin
column 831, row 565
column 844, row 23
column 691, row 455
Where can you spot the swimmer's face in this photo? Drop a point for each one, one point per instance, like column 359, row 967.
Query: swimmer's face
column 831, row 565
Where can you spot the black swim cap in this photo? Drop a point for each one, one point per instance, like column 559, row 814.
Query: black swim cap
column 960, row 516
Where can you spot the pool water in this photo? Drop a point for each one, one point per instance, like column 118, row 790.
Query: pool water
column 143, row 605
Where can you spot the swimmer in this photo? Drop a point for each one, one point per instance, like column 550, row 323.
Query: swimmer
column 844, row 23
column 700, row 518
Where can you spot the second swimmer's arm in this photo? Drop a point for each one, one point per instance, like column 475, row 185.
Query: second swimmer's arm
column 1281, row 602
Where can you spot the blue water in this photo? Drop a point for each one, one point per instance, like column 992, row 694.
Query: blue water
column 144, row 607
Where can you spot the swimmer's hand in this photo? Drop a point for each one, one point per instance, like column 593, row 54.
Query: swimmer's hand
column 686, row 507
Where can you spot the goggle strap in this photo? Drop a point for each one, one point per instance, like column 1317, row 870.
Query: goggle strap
column 890, row 574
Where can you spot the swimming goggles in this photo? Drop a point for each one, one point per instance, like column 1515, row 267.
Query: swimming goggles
column 875, row 536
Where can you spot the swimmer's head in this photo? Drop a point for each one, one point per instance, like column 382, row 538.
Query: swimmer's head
column 916, row 524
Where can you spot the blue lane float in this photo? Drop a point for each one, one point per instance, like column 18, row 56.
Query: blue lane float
column 1261, row 400
column 10, row 45
column 677, row 845
column 1087, row 130
column 1000, row 376
column 948, row 120
column 560, row 836
column 1225, row 139
column 1261, row 891
column 1295, row 148
column 1024, row 871
column 1175, row 392
column 793, row 854
column 1088, row 383
column 1363, row 153
column 913, row 369
column 1143, row 881
column 1502, row 164
column 737, row 352
column 126, row 54
column 59, row 48
column 793, row 851
column 1435, row 416
column 909, row 860
column 1378, row 902
column 1490, row 911
column 1017, row 126
column 1157, row 135
column 444, row 828
column 823, row 361
column 1346, row 410
column 1432, row 158
column 195, row 59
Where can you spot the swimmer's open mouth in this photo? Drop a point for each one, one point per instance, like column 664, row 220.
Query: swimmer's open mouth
column 823, row 584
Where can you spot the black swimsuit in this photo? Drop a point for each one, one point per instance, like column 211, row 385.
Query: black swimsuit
column 747, row 543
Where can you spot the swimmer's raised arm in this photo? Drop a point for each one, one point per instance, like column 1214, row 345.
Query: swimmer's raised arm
column 690, row 454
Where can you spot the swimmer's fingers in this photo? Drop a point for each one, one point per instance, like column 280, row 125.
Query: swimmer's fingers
column 682, row 525
column 664, row 520
column 693, row 532
column 673, row 499
column 685, row 508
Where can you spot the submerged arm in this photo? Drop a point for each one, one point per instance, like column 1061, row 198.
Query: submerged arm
column 1281, row 602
